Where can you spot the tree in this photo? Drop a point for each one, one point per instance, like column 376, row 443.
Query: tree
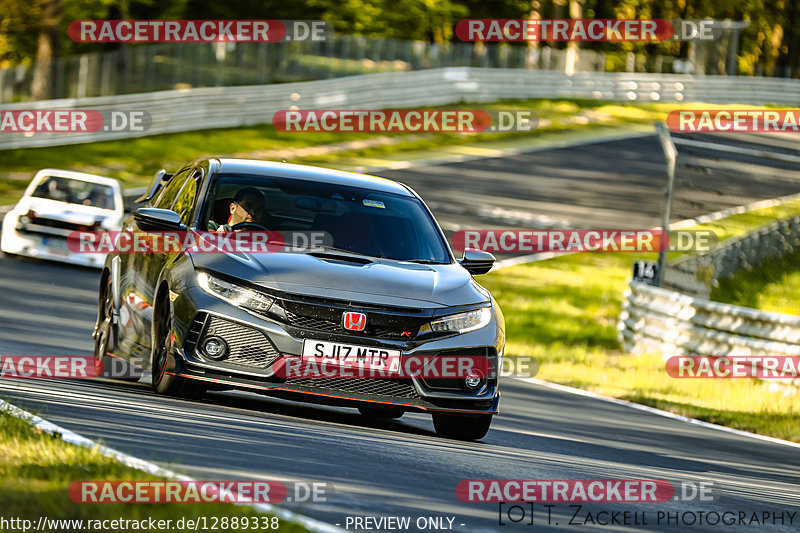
column 47, row 50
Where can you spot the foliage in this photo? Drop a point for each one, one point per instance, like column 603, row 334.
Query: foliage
column 770, row 45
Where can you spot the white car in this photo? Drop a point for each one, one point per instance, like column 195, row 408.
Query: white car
column 55, row 204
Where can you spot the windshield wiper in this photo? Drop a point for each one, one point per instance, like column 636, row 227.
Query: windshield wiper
column 326, row 249
column 424, row 261
column 338, row 254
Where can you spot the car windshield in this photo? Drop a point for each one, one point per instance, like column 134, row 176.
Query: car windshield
column 74, row 191
column 356, row 220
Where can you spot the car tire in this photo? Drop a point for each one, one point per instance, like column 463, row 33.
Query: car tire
column 105, row 338
column 461, row 427
column 164, row 383
column 382, row 411
column 104, row 332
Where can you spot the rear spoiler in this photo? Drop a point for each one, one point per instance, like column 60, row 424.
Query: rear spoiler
column 162, row 176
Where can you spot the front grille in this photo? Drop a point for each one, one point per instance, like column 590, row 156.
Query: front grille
column 308, row 322
column 247, row 347
column 328, row 319
column 395, row 388
column 60, row 224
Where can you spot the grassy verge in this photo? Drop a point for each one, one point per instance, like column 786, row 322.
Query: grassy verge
column 773, row 286
column 744, row 223
column 134, row 161
column 564, row 312
column 37, row 469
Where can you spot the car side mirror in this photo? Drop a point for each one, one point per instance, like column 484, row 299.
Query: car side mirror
column 477, row 261
column 152, row 219
column 161, row 178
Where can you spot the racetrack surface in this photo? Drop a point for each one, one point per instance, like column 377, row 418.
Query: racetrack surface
column 606, row 185
column 401, row 468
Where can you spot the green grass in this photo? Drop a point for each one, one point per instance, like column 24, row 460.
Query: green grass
column 744, row 223
column 37, row 469
column 564, row 312
column 774, row 286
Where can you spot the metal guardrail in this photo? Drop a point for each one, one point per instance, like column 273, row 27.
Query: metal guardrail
column 738, row 150
column 680, row 324
column 164, row 66
column 657, row 320
column 222, row 107
column 696, row 274
column 676, row 318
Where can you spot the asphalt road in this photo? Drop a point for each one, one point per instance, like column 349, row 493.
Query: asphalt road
column 607, row 185
column 401, row 468
column 616, row 184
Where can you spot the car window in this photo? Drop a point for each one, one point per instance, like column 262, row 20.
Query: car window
column 167, row 196
column 363, row 221
column 74, row 191
column 184, row 202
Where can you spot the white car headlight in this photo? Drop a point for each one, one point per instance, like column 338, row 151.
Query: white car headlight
column 238, row 296
column 460, row 323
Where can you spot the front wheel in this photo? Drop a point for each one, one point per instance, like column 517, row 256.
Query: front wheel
column 162, row 343
column 104, row 332
column 105, row 338
column 461, row 427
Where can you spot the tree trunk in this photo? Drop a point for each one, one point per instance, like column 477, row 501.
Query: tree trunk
column 43, row 83
column 532, row 46
column 571, row 60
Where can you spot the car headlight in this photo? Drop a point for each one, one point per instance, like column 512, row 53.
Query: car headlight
column 460, row 323
column 235, row 294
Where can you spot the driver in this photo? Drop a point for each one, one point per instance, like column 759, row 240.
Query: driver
column 247, row 206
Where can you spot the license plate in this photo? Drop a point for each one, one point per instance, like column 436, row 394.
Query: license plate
column 352, row 356
column 56, row 246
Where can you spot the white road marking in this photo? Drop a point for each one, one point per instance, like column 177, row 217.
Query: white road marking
column 653, row 410
column 154, row 469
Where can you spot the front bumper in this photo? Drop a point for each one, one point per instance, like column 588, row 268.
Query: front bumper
column 258, row 345
column 44, row 246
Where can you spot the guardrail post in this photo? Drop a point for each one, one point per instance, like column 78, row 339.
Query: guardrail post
column 83, row 75
column 672, row 156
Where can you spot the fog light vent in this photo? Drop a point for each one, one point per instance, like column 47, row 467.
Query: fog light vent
column 215, row 348
column 473, row 380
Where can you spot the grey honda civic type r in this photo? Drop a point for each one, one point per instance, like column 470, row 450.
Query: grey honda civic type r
column 379, row 289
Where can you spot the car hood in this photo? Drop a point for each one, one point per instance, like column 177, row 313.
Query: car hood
column 380, row 282
column 79, row 214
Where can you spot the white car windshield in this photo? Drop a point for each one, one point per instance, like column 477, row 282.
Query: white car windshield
column 74, row 191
